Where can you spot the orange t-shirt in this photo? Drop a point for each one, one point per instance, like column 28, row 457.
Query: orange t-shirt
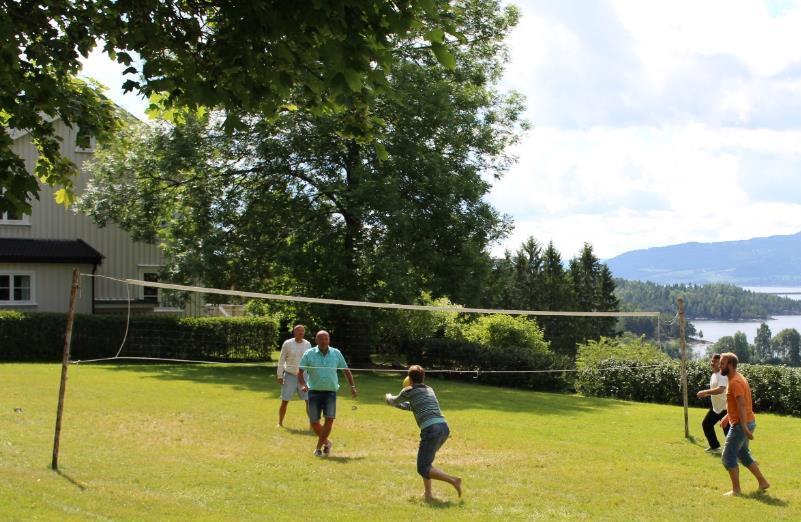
column 738, row 387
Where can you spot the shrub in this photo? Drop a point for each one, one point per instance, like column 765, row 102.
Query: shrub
column 499, row 331
column 625, row 348
column 775, row 389
column 465, row 356
column 40, row 337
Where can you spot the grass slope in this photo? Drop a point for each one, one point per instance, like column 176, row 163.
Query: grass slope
column 200, row 442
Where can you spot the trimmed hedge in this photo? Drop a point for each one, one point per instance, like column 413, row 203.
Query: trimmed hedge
column 40, row 337
column 775, row 389
column 450, row 354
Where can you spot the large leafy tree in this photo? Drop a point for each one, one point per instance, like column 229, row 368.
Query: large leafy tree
column 762, row 348
column 299, row 204
column 248, row 56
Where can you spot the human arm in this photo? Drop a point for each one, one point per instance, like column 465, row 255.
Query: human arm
column 399, row 401
column 743, row 418
column 282, row 364
column 302, row 380
column 349, row 376
column 712, row 391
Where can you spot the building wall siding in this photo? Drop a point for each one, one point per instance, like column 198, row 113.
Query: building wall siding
column 123, row 257
column 51, row 287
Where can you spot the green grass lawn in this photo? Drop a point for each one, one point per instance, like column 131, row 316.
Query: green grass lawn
column 200, row 442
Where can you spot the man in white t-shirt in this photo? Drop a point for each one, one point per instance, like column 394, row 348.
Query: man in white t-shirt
column 291, row 352
column 717, row 391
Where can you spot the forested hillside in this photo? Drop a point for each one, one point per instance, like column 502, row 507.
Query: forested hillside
column 761, row 261
column 713, row 301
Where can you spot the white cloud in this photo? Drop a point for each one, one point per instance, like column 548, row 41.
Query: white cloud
column 655, row 123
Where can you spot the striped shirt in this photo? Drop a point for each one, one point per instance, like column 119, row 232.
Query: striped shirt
column 420, row 400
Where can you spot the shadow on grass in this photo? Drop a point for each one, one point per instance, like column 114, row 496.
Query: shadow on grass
column 340, row 459
column 298, row 431
column 434, row 503
column 765, row 498
column 453, row 395
column 71, row 480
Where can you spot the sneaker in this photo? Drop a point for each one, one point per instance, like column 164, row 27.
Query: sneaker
column 318, row 453
column 327, row 447
column 714, row 450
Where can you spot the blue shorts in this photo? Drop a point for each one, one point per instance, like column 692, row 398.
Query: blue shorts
column 737, row 447
column 431, row 439
column 322, row 402
column 290, row 387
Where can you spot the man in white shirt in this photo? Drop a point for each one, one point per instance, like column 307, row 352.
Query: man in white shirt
column 291, row 352
column 717, row 391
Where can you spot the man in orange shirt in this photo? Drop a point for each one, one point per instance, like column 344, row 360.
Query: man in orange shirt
column 740, row 418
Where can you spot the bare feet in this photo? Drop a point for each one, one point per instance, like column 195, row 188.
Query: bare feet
column 732, row 494
column 457, row 483
column 765, row 485
column 429, row 498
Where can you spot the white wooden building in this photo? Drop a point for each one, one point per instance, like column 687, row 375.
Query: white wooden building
column 38, row 251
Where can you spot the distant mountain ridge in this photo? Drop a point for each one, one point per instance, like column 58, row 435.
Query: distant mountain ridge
column 761, row 261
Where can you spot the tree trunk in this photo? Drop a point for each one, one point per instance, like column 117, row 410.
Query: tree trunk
column 352, row 324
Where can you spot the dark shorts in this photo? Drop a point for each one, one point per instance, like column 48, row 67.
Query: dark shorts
column 431, row 439
column 736, row 447
column 322, row 402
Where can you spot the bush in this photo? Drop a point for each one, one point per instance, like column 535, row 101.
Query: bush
column 40, row 337
column 500, row 331
column 775, row 389
column 453, row 354
column 625, row 348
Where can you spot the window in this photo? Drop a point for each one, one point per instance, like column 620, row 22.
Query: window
column 16, row 288
column 90, row 148
column 150, row 293
column 11, row 217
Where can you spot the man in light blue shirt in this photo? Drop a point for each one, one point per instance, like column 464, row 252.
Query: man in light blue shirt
column 318, row 376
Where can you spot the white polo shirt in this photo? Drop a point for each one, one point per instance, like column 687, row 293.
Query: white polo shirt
column 291, row 352
column 718, row 401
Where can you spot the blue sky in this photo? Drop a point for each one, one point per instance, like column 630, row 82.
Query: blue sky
column 653, row 123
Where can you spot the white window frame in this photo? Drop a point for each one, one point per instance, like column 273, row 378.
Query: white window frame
column 11, row 301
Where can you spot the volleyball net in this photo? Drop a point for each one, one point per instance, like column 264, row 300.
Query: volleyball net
column 165, row 322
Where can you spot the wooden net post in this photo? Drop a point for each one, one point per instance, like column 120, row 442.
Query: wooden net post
column 65, row 361
column 683, row 345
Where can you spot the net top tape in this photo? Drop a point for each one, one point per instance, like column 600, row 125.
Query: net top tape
column 369, row 304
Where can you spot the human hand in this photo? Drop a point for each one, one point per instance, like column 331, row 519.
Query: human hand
column 354, row 392
column 281, row 381
column 724, row 423
column 700, row 394
column 304, row 388
column 749, row 434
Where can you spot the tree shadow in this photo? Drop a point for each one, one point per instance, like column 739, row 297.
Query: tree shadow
column 452, row 394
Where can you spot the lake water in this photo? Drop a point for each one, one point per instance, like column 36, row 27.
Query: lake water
column 714, row 330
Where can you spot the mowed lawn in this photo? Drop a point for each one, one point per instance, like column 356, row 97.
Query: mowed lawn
column 201, row 443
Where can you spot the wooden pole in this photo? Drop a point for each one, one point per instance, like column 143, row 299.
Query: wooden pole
column 683, row 345
column 65, row 361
